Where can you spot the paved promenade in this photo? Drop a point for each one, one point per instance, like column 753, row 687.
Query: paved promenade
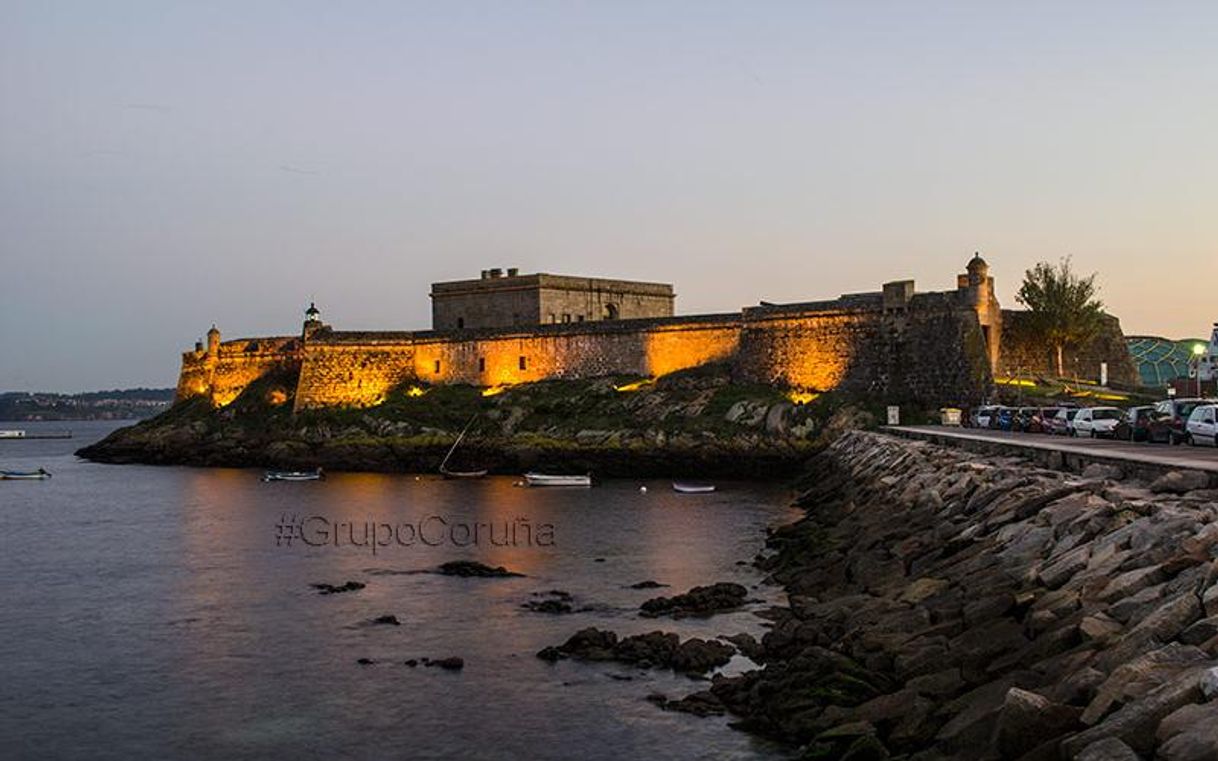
column 1154, row 455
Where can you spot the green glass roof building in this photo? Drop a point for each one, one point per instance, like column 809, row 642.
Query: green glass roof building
column 1161, row 360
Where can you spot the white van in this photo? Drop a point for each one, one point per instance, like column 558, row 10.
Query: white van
column 1202, row 426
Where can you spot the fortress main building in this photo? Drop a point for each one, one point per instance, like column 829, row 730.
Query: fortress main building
column 505, row 328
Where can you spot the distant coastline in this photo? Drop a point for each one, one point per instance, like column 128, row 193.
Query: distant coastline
column 117, row 404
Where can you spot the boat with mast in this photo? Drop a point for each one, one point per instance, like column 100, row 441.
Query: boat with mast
column 444, row 471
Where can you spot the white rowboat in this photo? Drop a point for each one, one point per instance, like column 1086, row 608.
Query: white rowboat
column 293, row 475
column 16, row 475
column 543, row 479
column 692, row 488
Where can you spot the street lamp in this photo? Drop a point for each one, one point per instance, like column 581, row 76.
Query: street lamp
column 1198, row 353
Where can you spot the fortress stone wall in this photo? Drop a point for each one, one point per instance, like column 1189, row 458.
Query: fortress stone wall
column 1025, row 354
column 222, row 370
column 938, row 348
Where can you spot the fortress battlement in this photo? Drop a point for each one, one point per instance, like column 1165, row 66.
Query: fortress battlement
column 501, row 329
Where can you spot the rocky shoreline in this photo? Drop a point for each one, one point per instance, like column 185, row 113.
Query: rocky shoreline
column 943, row 605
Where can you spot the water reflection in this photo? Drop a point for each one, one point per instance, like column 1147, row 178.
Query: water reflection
column 175, row 625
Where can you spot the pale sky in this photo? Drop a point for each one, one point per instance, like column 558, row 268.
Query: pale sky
column 165, row 165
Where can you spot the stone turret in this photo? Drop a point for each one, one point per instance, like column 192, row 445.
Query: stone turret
column 213, row 342
column 979, row 282
column 976, row 288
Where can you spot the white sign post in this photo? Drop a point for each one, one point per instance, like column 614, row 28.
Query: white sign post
column 894, row 415
column 1103, row 373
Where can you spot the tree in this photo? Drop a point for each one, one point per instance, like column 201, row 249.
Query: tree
column 1063, row 309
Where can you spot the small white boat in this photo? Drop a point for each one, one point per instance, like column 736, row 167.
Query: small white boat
column 455, row 474
column 12, row 434
column 683, row 488
column 544, row 479
column 293, row 475
column 19, row 475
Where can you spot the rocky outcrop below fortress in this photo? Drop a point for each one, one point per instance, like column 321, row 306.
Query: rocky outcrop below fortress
column 695, row 422
column 943, row 605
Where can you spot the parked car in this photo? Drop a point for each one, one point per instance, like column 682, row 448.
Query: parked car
column 1040, row 420
column 1002, row 418
column 981, row 416
column 1062, row 422
column 1143, row 424
column 1096, row 422
column 1177, row 412
column 1202, row 426
column 1026, row 420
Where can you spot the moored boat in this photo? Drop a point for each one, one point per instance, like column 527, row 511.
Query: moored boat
column 463, row 473
column 294, row 475
column 688, row 488
column 24, row 475
column 546, row 479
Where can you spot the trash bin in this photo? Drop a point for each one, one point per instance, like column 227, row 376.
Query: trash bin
column 950, row 416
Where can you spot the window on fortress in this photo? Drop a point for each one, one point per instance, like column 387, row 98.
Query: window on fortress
column 610, row 312
column 481, row 364
column 524, row 363
column 437, row 367
column 460, row 322
column 553, row 317
column 579, row 318
column 566, row 318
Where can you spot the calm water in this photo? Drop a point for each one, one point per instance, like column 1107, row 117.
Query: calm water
column 149, row 613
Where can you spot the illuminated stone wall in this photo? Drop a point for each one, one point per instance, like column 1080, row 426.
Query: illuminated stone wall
column 815, row 350
column 353, row 369
column 925, row 351
column 931, row 348
column 194, row 379
column 894, row 343
column 223, row 375
column 576, row 351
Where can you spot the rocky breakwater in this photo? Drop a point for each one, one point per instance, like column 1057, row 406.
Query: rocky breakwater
column 948, row 606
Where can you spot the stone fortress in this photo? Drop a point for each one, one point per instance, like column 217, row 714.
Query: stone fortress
column 942, row 347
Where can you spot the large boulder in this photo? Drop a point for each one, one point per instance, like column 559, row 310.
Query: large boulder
column 650, row 650
column 1108, row 749
column 472, row 568
column 1136, row 722
column 1189, row 733
column 1028, row 719
column 699, row 601
column 1180, row 481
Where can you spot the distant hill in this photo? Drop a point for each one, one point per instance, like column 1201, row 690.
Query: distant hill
column 118, row 404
